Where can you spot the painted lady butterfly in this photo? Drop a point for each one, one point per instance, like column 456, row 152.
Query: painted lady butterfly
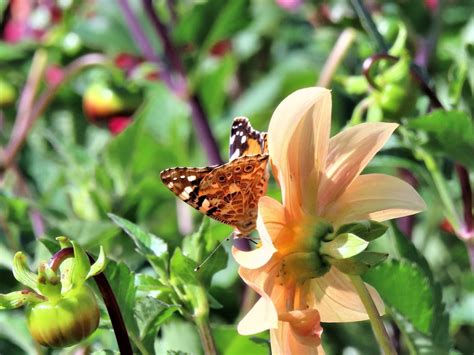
column 228, row 193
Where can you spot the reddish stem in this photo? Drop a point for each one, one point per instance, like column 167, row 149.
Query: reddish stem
column 466, row 193
column 110, row 301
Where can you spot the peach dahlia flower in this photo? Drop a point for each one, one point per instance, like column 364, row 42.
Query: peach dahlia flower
column 320, row 182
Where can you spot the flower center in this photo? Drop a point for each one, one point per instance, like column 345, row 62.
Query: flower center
column 301, row 259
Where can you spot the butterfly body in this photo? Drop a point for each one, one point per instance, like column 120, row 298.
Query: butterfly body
column 228, row 193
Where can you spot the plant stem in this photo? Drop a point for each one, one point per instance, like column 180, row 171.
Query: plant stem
column 369, row 25
column 38, row 65
column 466, row 193
column 470, row 252
column 442, row 188
column 205, row 334
column 375, row 320
column 338, row 53
column 199, row 117
column 108, row 295
column 25, row 119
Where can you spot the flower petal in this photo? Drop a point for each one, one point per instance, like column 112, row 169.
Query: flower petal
column 262, row 316
column 349, row 153
column 298, row 137
column 375, row 196
column 336, row 299
column 271, row 219
column 286, row 340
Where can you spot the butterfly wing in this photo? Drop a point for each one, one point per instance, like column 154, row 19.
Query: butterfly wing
column 185, row 183
column 232, row 191
column 244, row 140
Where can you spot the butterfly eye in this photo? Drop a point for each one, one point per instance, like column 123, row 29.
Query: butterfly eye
column 248, row 168
column 221, row 178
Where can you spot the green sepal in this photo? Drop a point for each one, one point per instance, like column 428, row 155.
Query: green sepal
column 80, row 267
column 99, row 265
column 17, row 299
column 358, row 264
column 367, row 229
column 49, row 283
column 344, row 246
column 22, row 273
column 64, row 242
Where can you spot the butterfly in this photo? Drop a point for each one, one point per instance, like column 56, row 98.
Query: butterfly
column 228, row 193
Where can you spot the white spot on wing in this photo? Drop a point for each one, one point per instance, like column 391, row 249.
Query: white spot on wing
column 192, row 178
column 243, row 139
column 184, row 195
column 232, row 139
column 188, row 189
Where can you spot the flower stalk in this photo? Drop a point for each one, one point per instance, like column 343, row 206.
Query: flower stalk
column 375, row 320
column 207, row 341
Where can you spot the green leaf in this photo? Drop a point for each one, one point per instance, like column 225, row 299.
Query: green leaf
column 395, row 282
column 151, row 313
column 413, row 298
column 200, row 246
column 184, row 278
column 229, row 342
column 17, row 331
column 149, row 245
column 406, row 250
column 450, row 133
column 211, row 21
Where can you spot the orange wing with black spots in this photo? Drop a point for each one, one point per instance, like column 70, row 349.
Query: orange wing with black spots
column 228, row 193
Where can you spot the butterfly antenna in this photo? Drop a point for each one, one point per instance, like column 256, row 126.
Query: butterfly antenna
column 197, row 268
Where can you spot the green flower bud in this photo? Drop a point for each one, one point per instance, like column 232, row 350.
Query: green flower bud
column 61, row 309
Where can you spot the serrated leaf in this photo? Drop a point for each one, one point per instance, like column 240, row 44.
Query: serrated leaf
column 450, row 133
column 414, row 302
column 151, row 313
column 149, row 245
column 406, row 250
column 395, row 282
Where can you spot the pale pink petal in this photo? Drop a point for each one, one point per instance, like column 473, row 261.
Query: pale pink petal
column 375, row 196
column 285, row 341
column 349, row 153
column 298, row 137
column 262, row 316
column 271, row 219
column 336, row 299
column 265, row 282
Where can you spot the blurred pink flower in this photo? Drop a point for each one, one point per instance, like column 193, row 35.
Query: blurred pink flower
column 289, row 4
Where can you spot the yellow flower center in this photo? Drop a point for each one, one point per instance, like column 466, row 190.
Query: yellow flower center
column 299, row 251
